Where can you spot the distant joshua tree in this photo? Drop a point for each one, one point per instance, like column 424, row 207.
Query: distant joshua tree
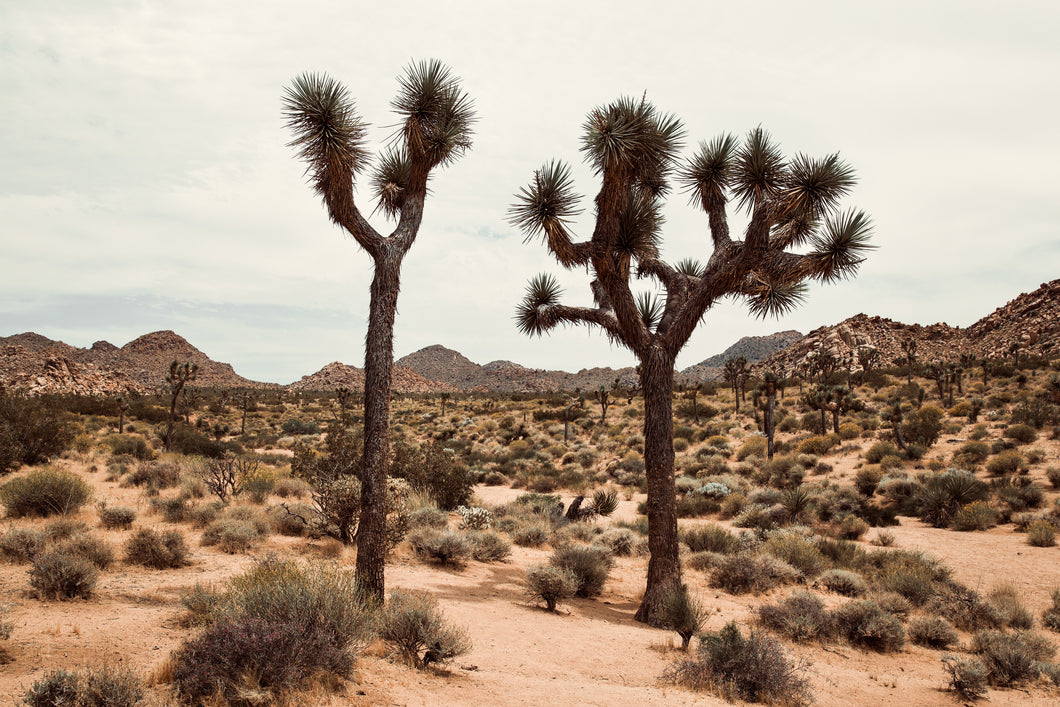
column 633, row 148
column 180, row 374
column 909, row 349
column 434, row 130
column 123, row 407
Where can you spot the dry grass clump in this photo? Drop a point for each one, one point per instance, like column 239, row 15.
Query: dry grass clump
column 1051, row 616
column 680, row 611
column 1006, row 599
column 21, row 545
column 94, row 549
column 864, row 623
column 843, row 582
column 801, row 617
column 1011, row 658
column 964, row 607
column 754, row 668
column 446, row 547
column 590, row 564
column 489, row 546
column 710, row 537
column 101, row 686
column 968, row 677
column 115, row 517
column 44, row 492
column 549, row 584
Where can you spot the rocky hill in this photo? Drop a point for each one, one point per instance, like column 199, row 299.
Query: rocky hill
column 1031, row 321
column 752, row 348
column 339, row 375
column 37, row 364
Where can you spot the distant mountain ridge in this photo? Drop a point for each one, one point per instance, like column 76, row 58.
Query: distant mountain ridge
column 37, row 364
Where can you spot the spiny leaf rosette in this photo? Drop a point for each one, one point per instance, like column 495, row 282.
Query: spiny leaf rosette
column 796, row 232
column 434, row 130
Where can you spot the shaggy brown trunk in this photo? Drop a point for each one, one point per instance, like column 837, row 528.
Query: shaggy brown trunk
column 664, row 567
column 378, row 361
column 770, row 424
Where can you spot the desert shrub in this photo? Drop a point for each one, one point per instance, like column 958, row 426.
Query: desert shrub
column 174, row 510
column 532, row 534
column 971, row 453
column 1051, row 616
column 414, row 625
column 1011, row 658
column 32, row 431
column 129, row 445
column 741, row 574
column 290, row 487
column 879, row 450
column 57, row 575
column 291, row 520
column 845, row 526
column 1006, row 599
column 232, row 654
column 709, row 537
column 489, row 546
column 116, row 517
column 231, row 536
column 300, row 427
column 94, row 549
column 761, row 516
column 977, row 515
column 590, row 564
column 474, row 517
column 204, row 514
column 446, row 547
column 922, row 427
column 817, row 444
column 704, row 560
column 550, row 584
column 428, row 517
column 754, row 668
column 864, row 623
column 678, row 610
column 165, row 550
column 63, row 527
column 162, row 474
column 1041, row 533
column 110, row 686
column 1053, row 475
column 753, row 446
column 44, row 492
column 437, row 470
column 798, row 551
column 866, row 479
column 943, row 495
column 56, row 688
column 968, row 677
column 932, row 632
column 21, row 545
column 965, row 607
column 1007, row 462
column 622, row 542
column 800, row 617
column 843, row 582
column 1023, row 434
column 1017, row 493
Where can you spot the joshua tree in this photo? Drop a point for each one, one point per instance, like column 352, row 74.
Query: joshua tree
column 634, row 149
column 123, row 407
column 604, row 398
column 179, row 375
column 868, row 357
column 434, row 130
column 735, row 372
column 765, row 398
column 246, row 401
column 909, row 349
column 344, row 397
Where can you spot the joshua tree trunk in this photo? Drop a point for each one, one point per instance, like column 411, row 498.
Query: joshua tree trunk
column 770, row 424
column 378, row 362
column 664, row 567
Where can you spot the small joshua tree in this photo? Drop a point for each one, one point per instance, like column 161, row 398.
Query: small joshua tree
column 180, row 374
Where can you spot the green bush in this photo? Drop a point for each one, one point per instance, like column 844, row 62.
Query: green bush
column 1051, row 616
column 972, row 453
column 231, row 536
column 1006, row 599
column 591, row 564
column 622, row 542
column 550, row 584
column 532, row 534
column 165, row 550
column 932, row 632
column 44, row 492
column 1007, row 462
column 437, row 470
column 414, row 625
column 798, row 551
column 110, row 686
column 56, row 575
column 922, row 427
column 753, row 668
column 964, row 607
column 875, row 453
column 129, row 445
column 977, row 515
column 1053, row 475
column 57, row 688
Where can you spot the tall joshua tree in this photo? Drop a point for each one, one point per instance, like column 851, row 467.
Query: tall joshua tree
column 434, row 130
column 180, row 374
column 634, row 151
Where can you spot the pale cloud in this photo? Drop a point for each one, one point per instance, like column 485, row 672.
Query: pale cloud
column 147, row 184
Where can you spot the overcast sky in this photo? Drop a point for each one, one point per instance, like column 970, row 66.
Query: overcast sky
column 146, row 183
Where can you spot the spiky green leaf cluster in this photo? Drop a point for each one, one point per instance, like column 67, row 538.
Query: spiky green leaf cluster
column 437, row 113
column 633, row 137
column 532, row 316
